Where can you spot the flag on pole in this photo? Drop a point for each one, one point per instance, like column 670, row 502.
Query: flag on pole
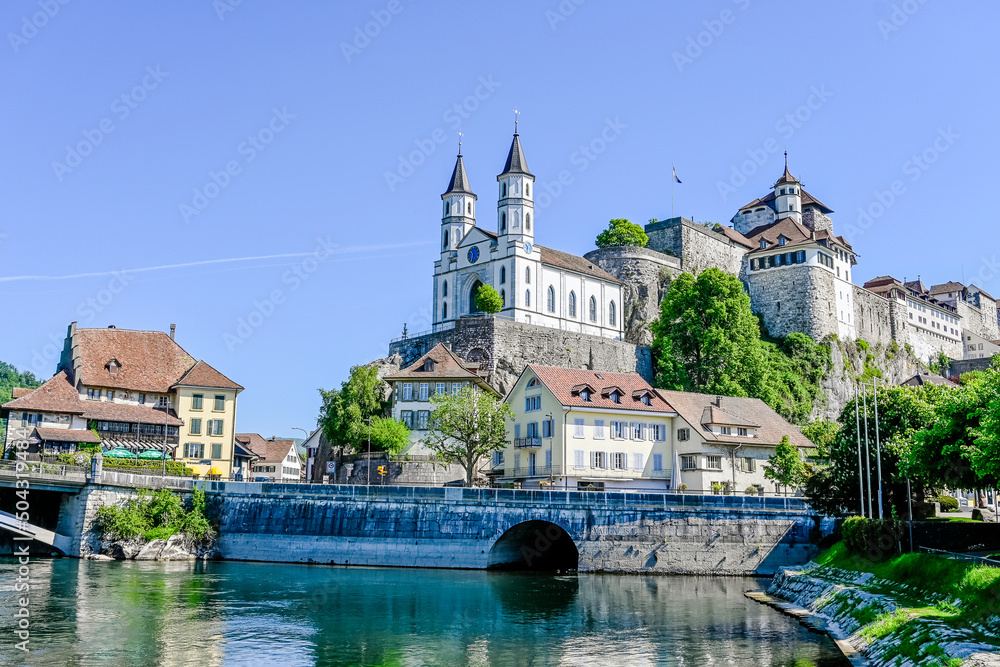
column 676, row 180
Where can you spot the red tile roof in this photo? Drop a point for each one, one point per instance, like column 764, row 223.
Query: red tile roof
column 66, row 435
column 55, row 395
column 149, row 360
column 563, row 381
column 807, row 200
column 772, row 426
column 203, row 375
column 269, row 451
column 18, row 392
column 446, row 365
column 795, row 233
column 117, row 412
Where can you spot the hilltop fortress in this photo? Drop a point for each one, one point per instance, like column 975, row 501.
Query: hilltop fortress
column 594, row 311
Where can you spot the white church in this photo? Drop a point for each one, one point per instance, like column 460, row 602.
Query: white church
column 538, row 285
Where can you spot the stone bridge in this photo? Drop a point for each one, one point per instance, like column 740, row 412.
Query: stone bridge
column 466, row 528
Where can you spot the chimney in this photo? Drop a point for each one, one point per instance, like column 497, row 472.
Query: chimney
column 173, row 328
column 718, row 401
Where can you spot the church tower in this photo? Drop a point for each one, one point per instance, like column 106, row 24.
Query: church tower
column 516, row 208
column 788, row 196
column 459, row 208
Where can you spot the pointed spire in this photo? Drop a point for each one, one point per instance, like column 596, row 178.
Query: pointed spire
column 516, row 164
column 459, row 182
column 787, row 176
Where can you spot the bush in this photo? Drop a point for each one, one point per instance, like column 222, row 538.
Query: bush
column 155, row 516
column 874, row 539
column 948, row 504
column 751, row 490
column 146, row 465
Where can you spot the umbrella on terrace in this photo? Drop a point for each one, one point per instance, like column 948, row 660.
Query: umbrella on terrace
column 155, row 454
column 119, row 453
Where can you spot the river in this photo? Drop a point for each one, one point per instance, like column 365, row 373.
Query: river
column 230, row 613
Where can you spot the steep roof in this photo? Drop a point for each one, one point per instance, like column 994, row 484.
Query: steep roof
column 806, row 199
column 66, row 435
column 445, row 365
column 787, row 176
column 55, row 395
column 795, row 233
column 516, row 163
column 18, row 392
column 269, row 451
column 713, row 414
column 771, row 426
column 565, row 385
column 735, row 236
column 950, row 286
column 564, row 260
column 459, row 182
column 921, row 379
column 203, row 375
column 148, row 360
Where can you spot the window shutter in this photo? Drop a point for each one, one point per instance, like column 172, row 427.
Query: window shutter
column 517, row 430
column 593, row 459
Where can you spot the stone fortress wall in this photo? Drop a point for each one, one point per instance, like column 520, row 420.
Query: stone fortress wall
column 506, row 347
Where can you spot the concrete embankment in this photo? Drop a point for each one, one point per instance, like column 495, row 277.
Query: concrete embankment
column 882, row 623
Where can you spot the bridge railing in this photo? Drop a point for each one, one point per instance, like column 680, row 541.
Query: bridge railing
column 8, row 467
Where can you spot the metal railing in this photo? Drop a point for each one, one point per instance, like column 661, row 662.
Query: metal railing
column 40, row 468
column 530, row 441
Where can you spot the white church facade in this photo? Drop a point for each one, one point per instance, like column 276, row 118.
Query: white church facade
column 538, row 285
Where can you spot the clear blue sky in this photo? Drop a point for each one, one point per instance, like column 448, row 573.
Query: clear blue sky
column 852, row 90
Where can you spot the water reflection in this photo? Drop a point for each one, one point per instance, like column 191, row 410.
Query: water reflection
column 87, row 613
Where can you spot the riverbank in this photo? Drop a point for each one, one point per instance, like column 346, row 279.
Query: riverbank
column 914, row 609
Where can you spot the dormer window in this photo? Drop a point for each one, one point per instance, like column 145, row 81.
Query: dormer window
column 646, row 400
column 781, row 240
column 428, row 365
column 615, row 397
column 585, row 395
column 763, row 244
column 113, row 366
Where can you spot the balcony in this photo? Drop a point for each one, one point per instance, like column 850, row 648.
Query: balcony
column 525, row 443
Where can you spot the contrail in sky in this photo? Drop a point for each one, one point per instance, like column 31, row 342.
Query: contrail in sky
column 162, row 267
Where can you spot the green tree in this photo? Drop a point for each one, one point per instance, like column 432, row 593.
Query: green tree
column 796, row 367
column 785, row 466
column 985, row 454
column 345, row 411
column 941, row 364
column 707, row 339
column 488, row 299
column 822, row 434
column 621, row 232
column 10, row 377
column 468, row 426
column 389, row 435
column 902, row 411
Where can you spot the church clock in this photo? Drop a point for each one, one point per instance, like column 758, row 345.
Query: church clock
column 473, row 254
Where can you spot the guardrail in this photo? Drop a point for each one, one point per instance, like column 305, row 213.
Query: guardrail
column 41, row 468
column 982, row 560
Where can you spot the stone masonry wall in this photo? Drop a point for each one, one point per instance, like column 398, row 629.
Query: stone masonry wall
column 646, row 276
column 794, row 299
column 697, row 246
column 876, row 319
column 506, row 347
column 980, row 321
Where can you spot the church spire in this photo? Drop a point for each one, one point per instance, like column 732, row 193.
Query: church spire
column 459, row 183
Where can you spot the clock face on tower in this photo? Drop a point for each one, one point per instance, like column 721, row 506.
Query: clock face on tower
column 527, row 248
column 473, row 254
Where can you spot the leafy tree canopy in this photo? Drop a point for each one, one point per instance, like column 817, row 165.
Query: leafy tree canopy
column 621, row 232
column 822, row 434
column 344, row 413
column 10, row 377
column 785, row 466
column 488, row 299
column 468, row 426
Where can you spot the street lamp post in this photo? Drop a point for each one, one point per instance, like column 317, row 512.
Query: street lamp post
column 368, row 477
column 297, row 428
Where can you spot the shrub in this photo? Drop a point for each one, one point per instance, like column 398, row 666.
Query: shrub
column 682, row 488
column 948, row 504
column 154, row 516
column 751, row 490
column 874, row 539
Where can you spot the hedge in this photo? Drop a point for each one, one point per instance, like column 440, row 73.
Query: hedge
column 948, row 504
column 143, row 465
column 874, row 539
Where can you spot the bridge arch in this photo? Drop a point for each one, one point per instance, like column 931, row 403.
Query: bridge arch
column 534, row 545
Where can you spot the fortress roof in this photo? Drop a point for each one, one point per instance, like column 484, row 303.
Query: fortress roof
column 807, row 200
column 795, row 233
column 950, row 286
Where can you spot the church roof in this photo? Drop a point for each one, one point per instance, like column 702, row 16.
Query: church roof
column 564, row 260
column 516, row 164
column 459, row 179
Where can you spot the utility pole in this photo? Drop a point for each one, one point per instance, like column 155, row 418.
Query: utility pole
column 878, row 450
column 368, row 477
column 857, row 431
column 868, row 456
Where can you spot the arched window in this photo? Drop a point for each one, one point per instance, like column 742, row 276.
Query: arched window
column 527, row 189
column 473, row 293
column 444, row 288
column 503, row 275
column 527, row 297
column 527, row 221
column 503, row 189
column 612, row 316
column 447, row 207
column 469, row 207
column 503, row 298
column 503, row 223
column 445, row 240
column 516, row 220
column 552, row 299
column 527, row 275
column 572, row 304
column 593, row 309
column 444, row 311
